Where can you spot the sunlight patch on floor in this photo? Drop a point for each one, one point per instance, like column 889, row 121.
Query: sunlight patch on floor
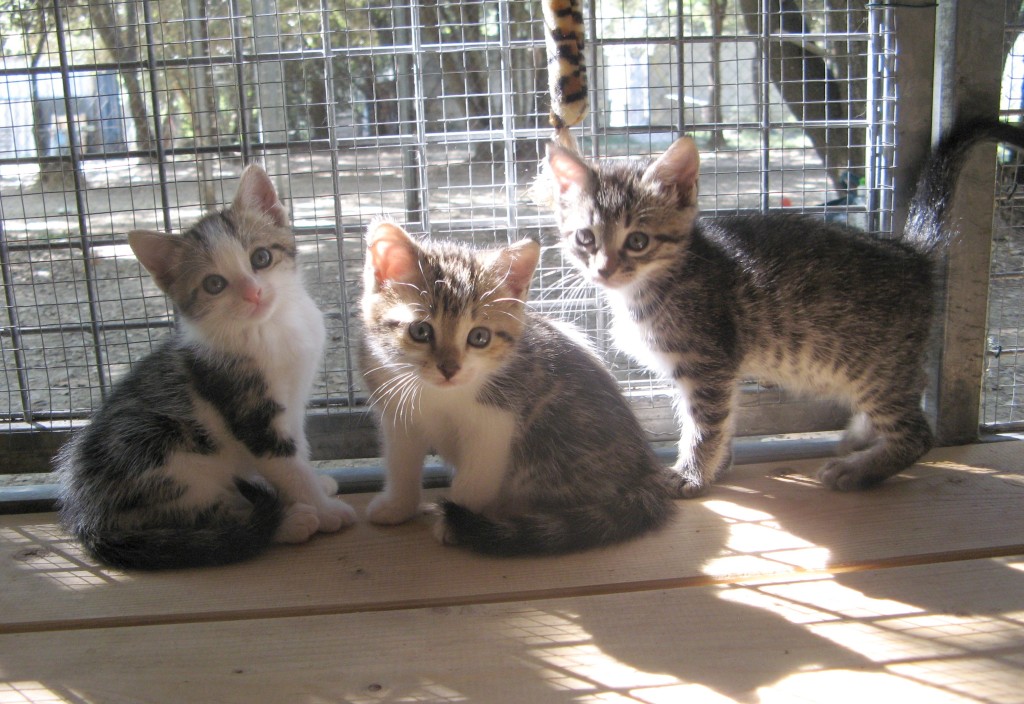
column 850, row 687
column 756, row 544
column 924, row 656
column 51, row 554
column 28, row 693
column 1014, row 563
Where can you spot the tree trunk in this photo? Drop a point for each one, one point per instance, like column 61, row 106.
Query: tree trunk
column 463, row 73
column 850, row 58
column 379, row 85
column 53, row 175
column 717, row 9
column 117, row 25
column 530, row 97
column 810, row 90
column 318, row 103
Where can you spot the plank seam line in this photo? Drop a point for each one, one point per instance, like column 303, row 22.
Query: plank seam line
column 606, row 589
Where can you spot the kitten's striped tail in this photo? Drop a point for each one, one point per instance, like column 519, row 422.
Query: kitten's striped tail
column 925, row 222
column 218, row 538
column 560, row 531
column 567, row 72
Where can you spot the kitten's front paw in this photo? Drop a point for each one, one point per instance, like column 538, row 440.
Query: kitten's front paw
column 846, row 474
column 687, row 483
column 299, row 523
column 440, row 528
column 441, row 533
column 388, row 510
column 335, row 514
column 328, row 483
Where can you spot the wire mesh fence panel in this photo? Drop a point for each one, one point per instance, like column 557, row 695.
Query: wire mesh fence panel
column 141, row 114
column 1002, row 403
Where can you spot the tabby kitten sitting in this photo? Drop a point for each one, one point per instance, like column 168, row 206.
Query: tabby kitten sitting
column 199, row 455
column 786, row 298
column 548, row 457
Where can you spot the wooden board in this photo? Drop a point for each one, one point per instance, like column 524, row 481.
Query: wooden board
column 949, row 632
column 762, row 520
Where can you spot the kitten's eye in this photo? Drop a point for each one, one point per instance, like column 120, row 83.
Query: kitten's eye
column 585, row 238
column 637, row 241
column 261, row 258
column 214, row 284
column 421, row 332
column 479, row 337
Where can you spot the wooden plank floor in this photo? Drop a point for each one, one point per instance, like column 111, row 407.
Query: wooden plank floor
column 770, row 589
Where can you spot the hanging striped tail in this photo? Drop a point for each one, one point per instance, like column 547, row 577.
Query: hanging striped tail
column 567, row 71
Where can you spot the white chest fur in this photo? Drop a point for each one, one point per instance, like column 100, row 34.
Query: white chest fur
column 286, row 348
column 475, row 438
column 291, row 348
column 637, row 339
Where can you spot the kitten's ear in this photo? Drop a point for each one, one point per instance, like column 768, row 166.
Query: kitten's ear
column 393, row 254
column 256, row 192
column 567, row 170
column 678, row 167
column 159, row 253
column 516, row 263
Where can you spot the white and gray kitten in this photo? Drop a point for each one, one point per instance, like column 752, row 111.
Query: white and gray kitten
column 199, row 455
column 547, row 454
column 786, row 298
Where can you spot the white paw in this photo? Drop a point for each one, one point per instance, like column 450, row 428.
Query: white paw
column 329, row 484
column 335, row 514
column 300, row 522
column 387, row 510
column 687, row 483
column 441, row 532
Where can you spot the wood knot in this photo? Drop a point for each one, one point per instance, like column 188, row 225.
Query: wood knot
column 32, row 553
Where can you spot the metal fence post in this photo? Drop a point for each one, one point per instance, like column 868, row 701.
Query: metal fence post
column 968, row 71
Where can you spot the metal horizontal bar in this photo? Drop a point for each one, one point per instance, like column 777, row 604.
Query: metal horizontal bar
column 1000, row 351
column 737, row 125
column 283, row 55
column 447, row 137
column 42, row 497
column 1016, row 426
column 349, row 433
column 312, row 53
column 305, row 146
column 6, row 330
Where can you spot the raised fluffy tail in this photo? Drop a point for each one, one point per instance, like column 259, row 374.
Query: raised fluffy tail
column 216, row 538
column 560, row 531
column 567, row 71
column 937, row 183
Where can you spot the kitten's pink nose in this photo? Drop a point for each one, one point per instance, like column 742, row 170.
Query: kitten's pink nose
column 606, row 267
column 448, row 368
column 252, row 293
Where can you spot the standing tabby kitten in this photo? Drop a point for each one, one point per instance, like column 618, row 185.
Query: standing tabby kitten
column 548, row 456
column 199, row 455
column 786, row 298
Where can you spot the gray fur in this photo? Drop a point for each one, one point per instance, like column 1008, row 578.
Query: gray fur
column 181, row 465
column 816, row 307
column 578, row 472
